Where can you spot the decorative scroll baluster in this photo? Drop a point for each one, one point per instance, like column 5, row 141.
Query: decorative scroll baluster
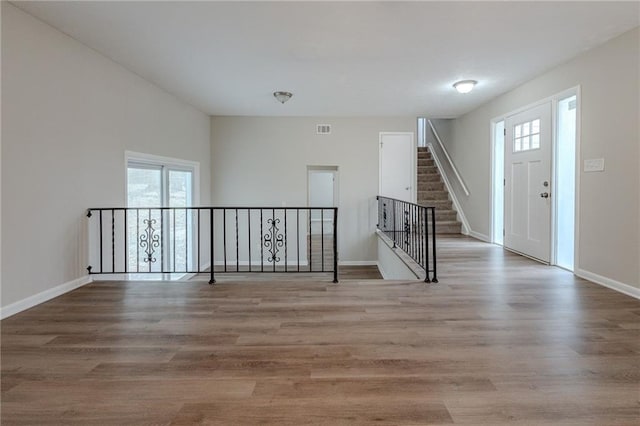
column 273, row 240
column 149, row 240
column 384, row 216
column 407, row 228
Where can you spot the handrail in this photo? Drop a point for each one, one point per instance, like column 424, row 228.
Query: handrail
column 407, row 225
column 453, row 166
column 191, row 240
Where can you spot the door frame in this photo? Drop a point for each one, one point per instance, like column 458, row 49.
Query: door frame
column 554, row 99
column 335, row 171
column 414, row 162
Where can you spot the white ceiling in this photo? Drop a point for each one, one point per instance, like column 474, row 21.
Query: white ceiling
column 338, row 58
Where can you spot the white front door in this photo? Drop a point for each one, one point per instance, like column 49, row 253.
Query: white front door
column 397, row 154
column 527, row 191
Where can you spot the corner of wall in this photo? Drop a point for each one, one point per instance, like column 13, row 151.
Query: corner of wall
column 609, row 283
column 44, row 296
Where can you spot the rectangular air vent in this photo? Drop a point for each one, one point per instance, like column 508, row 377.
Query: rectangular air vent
column 323, row 129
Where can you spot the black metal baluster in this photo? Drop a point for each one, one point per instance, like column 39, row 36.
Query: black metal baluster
column 413, row 232
column 113, row 241
column 391, row 215
column 420, row 234
column 416, row 230
column 137, row 240
column 409, row 241
column 310, row 242
column 198, row 235
column 408, row 227
column 417, row 233
column 335, row 244
column 186, row 240
column 224, row 237
column 405, row 228
column 298, row 237
column 173, row 251
column 433, row 239
column 249, row 228
column 162, row 240
column 261, row 244
column 126, row 240
column 149, row 218
column 237, row 245
column 393, row 202
column 401, row 228
column 285, row 239
column 419, row 230
column 426, row 244
column 322, row 237
column 273, row 218
column 212, row 279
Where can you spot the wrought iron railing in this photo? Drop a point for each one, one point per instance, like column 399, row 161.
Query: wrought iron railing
column 213, row 240
column 412, row 228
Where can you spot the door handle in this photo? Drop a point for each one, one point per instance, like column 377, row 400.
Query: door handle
column 544, row 194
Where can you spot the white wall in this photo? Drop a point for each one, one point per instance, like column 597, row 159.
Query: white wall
column 262, row 161
column 608, row 208
column 69, row 114
column 390, row 265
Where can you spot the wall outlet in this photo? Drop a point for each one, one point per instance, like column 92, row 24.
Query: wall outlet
column 594, row 165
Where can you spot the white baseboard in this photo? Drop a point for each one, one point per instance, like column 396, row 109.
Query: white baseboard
column 609, row 283
column 357, row 262
column 479, row 236
column 257, row 263
column 36, row 299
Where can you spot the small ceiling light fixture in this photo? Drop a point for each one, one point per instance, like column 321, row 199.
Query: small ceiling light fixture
column 464, row 86
column 282, row 97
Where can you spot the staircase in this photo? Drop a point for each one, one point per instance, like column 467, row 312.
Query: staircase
column 432, row 192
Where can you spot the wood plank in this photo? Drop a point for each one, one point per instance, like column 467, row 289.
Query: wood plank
column 501, row 339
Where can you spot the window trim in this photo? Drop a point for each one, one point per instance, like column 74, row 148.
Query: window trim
column 138, row 159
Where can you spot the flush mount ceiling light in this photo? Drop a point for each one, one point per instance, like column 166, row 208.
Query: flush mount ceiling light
column 282, row 97
column 464, row 86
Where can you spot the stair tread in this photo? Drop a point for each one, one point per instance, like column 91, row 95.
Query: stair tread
column 433, row 193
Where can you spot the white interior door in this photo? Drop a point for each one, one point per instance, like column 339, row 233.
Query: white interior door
column 527, row 192
column 322, row 193
column 397, row 153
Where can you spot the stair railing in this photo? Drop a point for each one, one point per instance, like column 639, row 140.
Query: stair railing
column 449, row 160
column 212, row 240
column 412, row 228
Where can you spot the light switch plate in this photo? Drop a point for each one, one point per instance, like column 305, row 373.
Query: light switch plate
column 594, row 165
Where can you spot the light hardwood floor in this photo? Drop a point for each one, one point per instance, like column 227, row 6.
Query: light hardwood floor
column 501, row 339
